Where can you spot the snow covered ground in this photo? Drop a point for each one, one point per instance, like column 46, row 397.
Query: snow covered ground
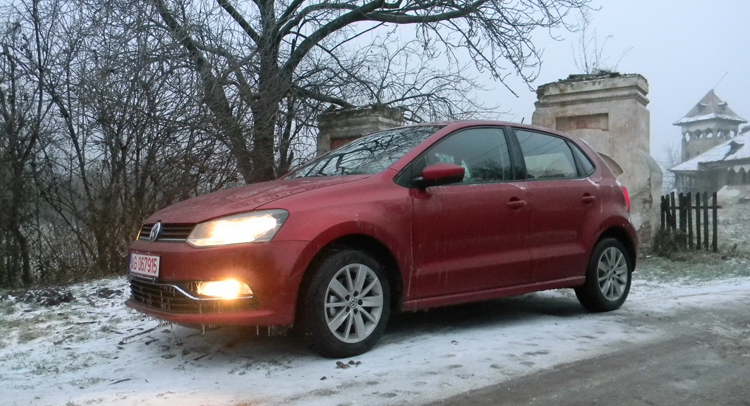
column 93, row 350
column 734, row 225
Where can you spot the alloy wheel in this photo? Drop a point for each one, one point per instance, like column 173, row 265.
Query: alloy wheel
column 353, row 303
column 612, row 273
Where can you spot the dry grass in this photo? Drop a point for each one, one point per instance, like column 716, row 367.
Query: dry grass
column 694, row 266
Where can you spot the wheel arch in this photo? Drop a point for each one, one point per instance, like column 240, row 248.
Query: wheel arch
column 621, row 235
column 377, row 249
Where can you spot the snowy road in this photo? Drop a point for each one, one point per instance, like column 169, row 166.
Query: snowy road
column 702, row 359
column 96, row 351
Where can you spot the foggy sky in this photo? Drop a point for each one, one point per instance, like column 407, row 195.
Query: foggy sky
column 682, row 47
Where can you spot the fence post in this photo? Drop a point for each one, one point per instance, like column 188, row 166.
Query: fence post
column 690, row 220
column 682, row 221
column 714, row 246
column 663, row 212
column 705, row 220
column 698, row 221
column 673, row 211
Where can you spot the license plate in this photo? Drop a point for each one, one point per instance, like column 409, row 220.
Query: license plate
column 144, row 265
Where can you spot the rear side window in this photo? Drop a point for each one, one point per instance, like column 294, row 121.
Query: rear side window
column 586, row 168
column 546, row 156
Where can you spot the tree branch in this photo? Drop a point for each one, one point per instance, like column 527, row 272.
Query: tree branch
column 417, row 19
column 289, row 10
column 288, row 25
column 358, row 14
column 213, row 94
column 240, row 20
column 322, row 98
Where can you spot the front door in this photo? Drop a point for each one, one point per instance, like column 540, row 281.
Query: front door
column 470, row 236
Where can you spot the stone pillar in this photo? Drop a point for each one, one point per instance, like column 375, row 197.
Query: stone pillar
column 609, row 112
column 339, row 127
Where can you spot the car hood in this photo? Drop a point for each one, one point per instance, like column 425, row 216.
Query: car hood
column 242, row 199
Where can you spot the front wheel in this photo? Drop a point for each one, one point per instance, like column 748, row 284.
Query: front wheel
column 608, row 277
column 346, row 304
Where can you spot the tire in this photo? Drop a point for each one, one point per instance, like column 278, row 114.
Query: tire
column 346, row 304
column 608, row 277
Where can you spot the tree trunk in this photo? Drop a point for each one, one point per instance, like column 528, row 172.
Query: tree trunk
column 271, row 90
column 16, row 219
column 265, row 111
column 213, row 95
column 22, row 244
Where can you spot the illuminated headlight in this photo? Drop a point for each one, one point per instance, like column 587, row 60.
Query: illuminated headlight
column 229, row 289
column 257, row 226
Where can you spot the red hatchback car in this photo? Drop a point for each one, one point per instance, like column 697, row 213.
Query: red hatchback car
column 405, row 219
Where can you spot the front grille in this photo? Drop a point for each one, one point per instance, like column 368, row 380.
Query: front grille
column 171, row 299
column 169, row 232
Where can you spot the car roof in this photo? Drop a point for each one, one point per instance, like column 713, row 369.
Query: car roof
column 470, row 123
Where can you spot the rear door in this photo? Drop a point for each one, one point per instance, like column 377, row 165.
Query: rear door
column 470, row 236
column 563, row 202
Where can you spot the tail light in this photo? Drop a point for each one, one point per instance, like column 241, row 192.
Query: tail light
column 626, row 195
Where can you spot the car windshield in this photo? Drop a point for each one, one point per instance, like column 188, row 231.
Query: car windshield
column 367, row 155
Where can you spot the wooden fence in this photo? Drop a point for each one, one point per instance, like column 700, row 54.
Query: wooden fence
column 686, row 215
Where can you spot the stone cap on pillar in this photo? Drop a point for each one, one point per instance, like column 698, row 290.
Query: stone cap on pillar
column 339, row 127
column 602, row 86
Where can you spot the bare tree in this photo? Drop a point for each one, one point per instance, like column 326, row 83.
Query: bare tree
column 588, row 51
column 131, row 137
column 256, row 52
column 671, row 158
column 100, row 124
column 395, row 73
column 22, row 110
column 98, row 127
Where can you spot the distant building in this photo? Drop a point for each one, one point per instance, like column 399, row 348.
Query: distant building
column 725, row 164
column 709, row 123
column 714, row 153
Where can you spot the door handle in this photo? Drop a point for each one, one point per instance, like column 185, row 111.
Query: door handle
column 516, row 203
column 588, row 199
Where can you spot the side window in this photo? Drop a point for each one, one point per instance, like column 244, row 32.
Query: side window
column 483, row 152
column 586, row 167
column 546, row 156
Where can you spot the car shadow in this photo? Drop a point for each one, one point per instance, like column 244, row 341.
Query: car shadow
column 495, row 312
column 249, row 348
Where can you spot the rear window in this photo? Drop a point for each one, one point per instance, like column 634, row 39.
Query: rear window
column 586, row 168
column 546, row 156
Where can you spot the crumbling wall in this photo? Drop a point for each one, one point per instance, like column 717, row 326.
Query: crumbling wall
column 339, row 127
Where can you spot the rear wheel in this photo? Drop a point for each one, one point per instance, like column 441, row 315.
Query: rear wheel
column 608, row 277
column 346, row 304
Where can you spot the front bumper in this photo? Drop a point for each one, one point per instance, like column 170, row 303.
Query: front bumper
column 178, row 298
column 254, row 317
column 273, row 271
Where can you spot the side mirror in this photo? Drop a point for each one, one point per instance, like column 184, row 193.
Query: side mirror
column 440, row 174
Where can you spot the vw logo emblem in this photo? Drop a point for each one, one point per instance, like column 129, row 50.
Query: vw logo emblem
column 155, row 230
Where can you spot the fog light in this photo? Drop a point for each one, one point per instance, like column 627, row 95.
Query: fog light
column 229, row 289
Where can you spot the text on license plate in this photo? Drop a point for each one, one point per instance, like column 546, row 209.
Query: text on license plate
column 144, row 265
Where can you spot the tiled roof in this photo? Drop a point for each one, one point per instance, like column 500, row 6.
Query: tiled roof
column 710, row 107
